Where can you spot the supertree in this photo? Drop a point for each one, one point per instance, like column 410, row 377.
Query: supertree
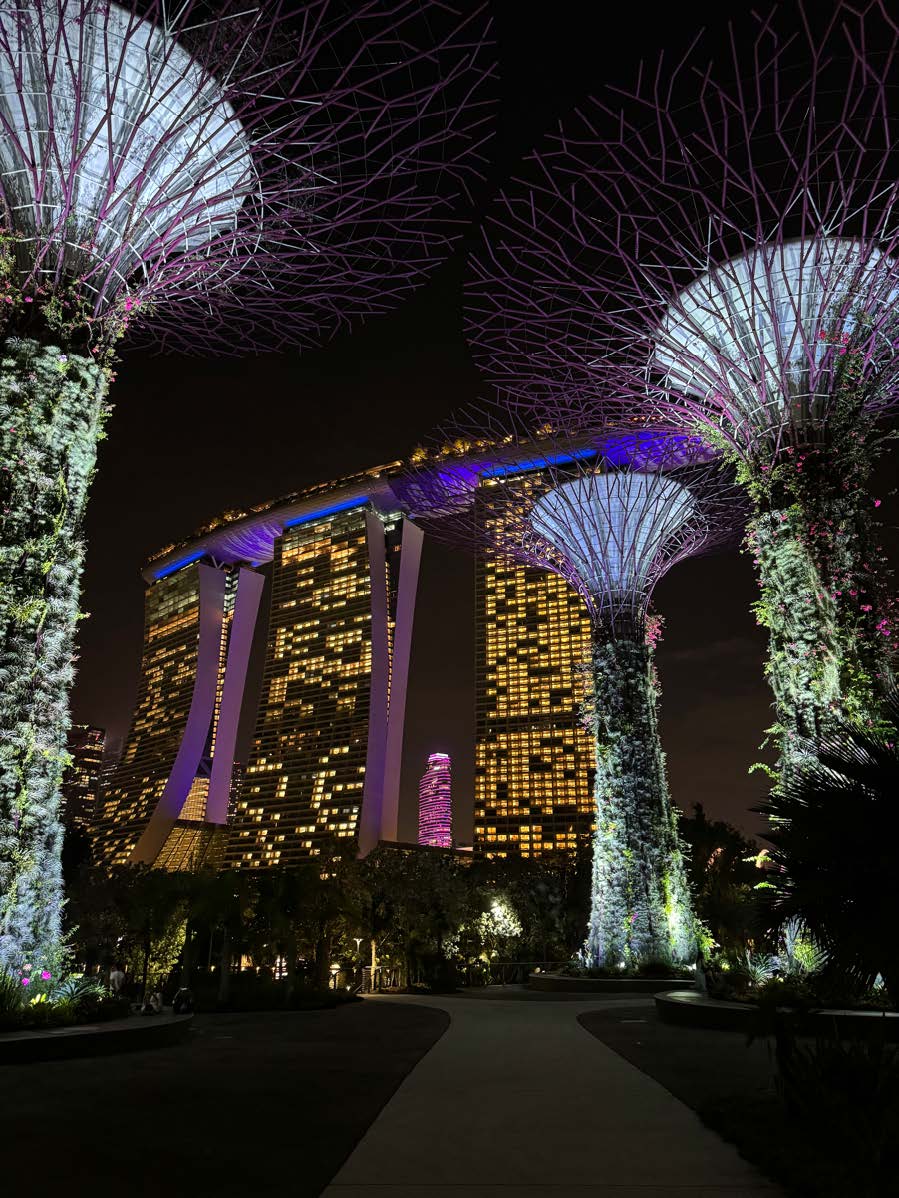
column 611, row 511
column 715, row 249
column 216, row 179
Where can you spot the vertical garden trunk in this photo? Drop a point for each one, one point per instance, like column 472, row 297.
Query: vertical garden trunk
column 823, row 598
column 798, row 609
column 640, row 907
column 51, row 414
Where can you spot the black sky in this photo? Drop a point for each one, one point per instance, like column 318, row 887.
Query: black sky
column 191, row 437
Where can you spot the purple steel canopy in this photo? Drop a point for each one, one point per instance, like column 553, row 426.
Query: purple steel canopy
column 706, row 248
column 609, row 509
column 249, row 536
column 235, row 177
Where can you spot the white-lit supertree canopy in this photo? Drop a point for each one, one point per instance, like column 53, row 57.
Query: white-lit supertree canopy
column 213, row 178
column 715, row 250
column 234, row 177
column 614, row 530
column 611, row 510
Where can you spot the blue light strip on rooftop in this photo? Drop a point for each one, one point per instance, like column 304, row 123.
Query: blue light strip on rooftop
column 175, row 566
column 326, row 511
column 555, row 459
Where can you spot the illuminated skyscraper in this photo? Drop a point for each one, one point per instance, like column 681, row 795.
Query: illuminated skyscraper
column 325, row 762
column 169, row 794
column 326, row 758
column 435, row 802
column 534, row 763
column 81, row 781
column 342, row 597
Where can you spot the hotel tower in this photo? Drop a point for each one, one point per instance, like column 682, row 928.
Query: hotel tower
column 342, row 566
column 534, row 765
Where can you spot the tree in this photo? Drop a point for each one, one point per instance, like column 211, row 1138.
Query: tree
column 209, row 177
column 418, row 900
column 834, row 832
column 723, row 875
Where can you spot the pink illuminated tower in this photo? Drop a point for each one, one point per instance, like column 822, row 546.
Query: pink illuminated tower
column 435, row 803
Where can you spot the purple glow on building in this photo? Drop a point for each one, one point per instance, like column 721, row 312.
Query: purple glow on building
column 435, row 803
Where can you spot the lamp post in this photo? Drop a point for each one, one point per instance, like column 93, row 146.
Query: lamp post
column 357, row 940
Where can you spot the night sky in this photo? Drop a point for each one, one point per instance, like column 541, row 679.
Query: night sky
column 191, row 437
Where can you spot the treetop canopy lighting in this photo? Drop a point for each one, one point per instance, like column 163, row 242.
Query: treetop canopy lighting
column 611, row 528
column 163, row 165
column 611, row 510
column 715, row 250
column 216, row 179
column 273, row 170
column 753, row 346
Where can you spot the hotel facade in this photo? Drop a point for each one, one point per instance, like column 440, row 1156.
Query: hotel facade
column 333, row 571
column 322, row 586
column 534, row 763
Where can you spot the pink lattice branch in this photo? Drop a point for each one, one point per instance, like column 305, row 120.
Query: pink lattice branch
column 252, row 177
column 711, row 249
column 610, row 509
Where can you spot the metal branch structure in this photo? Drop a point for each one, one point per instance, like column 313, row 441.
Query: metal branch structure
column 611, row 510
column 716, row 251
column 220, row 178
column 253, row 179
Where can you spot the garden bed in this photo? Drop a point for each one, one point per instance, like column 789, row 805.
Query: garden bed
column 568, row 983
column 134, row 1034
column 689, row 1008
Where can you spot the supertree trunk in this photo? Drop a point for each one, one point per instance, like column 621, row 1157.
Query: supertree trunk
column 797, row 608
column 52, row 405
column 640, row 907
column 824, row 596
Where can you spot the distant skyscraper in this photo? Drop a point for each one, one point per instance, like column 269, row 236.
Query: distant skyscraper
column 435, row 805
column 325, row 761
column 81, row 781
column 534, row 766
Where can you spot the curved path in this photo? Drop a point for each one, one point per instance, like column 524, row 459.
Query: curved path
column 518, row 1098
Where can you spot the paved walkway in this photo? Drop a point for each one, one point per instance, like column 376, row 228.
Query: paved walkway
column 517, row 1098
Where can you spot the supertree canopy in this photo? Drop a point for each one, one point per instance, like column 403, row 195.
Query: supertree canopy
column 717, row 249
column 611, row 511
column 208, row 178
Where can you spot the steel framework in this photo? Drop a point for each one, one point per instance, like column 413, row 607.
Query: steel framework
column 716, row 251
column 216, row 179
column 611, row 510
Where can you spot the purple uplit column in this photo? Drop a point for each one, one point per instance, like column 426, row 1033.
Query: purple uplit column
column 370, row 818
column 407, row 590
column 199, row 720
column 243, row 625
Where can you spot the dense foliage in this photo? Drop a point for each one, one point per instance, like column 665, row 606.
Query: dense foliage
column 723, row 870
column 822, row 576
column 833, row 834
column 52, row 405
column 422, row 917
column 641, row 908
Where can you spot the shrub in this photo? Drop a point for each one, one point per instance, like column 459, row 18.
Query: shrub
column 844, row 1098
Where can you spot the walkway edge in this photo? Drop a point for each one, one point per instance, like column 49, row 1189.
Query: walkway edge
column 134, row 1034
